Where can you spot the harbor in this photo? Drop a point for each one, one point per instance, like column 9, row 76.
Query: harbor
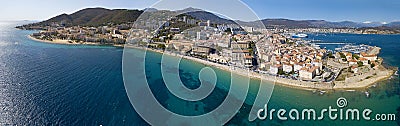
column 357, row 49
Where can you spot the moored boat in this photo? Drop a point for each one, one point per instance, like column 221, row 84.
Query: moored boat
column 300, row 36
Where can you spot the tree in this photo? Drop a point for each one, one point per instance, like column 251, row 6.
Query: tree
column 360, row 64
column 330, row 55
column 251, row 52
column 281, row 72
column 356, row 56
column 342, row 55
column 161, row 46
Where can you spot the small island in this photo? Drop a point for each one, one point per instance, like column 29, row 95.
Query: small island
column 275, row 54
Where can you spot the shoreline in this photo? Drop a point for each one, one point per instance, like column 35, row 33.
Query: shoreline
column 282, row 81
column 253, row 75
column 68, row 42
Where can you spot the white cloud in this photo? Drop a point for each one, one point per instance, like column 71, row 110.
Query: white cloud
column 367, row 22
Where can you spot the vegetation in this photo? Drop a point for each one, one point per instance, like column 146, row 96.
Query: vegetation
column 281, row 72
column 228, row 30
column 360, row 64
column 342, row 75
column 234, row 39
column 252, row 45
column 372, row 65
column 356, row 56
column 342, row 55
column 161, row 46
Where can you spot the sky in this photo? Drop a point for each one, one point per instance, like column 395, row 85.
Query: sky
column 331, row 10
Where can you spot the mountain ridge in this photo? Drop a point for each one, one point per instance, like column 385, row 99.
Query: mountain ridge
column 91, row 17
column 102, row 16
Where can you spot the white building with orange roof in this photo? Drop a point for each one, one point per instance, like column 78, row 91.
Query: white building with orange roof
column 369, row 57
column 319, row 56
column 354, row 68
column 348, row 55
column 287, row 67
column 363, row 60
column 317, row 70
column 293, row 61
column 352, row 62
column 307, row 73
column 298, row 66
column 266, row 57
column 248, row 61
column 317, row 63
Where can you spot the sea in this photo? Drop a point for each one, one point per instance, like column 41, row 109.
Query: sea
column 50, row 84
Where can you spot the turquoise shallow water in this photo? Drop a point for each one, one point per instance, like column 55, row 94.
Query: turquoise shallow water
column 47, row 84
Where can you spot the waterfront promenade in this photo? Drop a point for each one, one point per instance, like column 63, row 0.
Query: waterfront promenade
column 383, row 73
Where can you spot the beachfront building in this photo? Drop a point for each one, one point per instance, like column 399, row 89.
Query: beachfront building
column 201, row 50
column 308, row 73
column 354, row 69
column 363, row 60
column 241, row 58
column 298, row 66
column 274, row 69
column 240, row 45
column 370, row 57
column 352, row 62
column 217, row 59
column 265, row 57
column 317, row 63
column 287, row 67
column 201, row 35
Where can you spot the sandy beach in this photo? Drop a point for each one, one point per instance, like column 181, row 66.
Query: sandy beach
column 246, row 73
column 67, row 42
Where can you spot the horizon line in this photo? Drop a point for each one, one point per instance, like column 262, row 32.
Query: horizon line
column 264, row 18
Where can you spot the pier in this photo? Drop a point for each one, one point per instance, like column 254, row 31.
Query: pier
column 325, row 43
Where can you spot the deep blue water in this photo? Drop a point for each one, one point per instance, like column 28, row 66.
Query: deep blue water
column 390, row 44
column 48, row 84
column 44, row 84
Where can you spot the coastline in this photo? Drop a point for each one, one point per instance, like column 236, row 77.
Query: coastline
column 68, row 42
column 282, row 81
column 253, row 75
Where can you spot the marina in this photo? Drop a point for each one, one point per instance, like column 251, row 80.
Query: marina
column 353, row 48
column 367, row 94
column 70, row 93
